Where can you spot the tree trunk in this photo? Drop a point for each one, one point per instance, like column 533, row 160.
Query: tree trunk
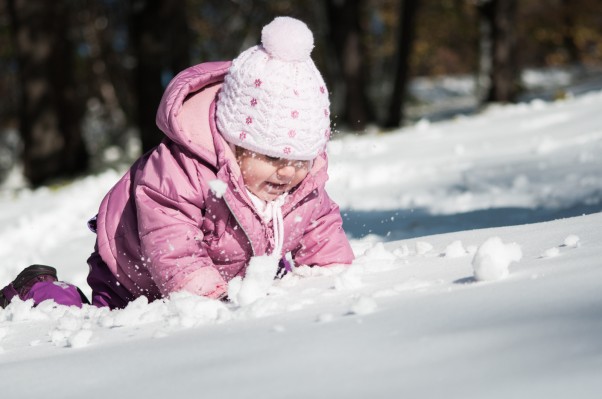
column 568, row 32
column 405, row 42
column 346, row 34
column 160, row 37
column 50, row 113
column 500, row 15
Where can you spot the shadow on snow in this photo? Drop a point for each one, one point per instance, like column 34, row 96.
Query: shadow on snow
column 401, row 224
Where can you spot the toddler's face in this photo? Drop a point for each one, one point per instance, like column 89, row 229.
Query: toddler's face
column 269, row 177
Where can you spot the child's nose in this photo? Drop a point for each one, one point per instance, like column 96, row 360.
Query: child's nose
column 286, row 172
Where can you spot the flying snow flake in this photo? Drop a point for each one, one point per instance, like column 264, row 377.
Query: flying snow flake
column 218, row 187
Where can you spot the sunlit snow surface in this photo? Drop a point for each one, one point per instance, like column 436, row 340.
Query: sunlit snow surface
column 408, row 319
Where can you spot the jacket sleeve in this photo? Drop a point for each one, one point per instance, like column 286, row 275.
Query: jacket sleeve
column 171, row 241
column 324, row 243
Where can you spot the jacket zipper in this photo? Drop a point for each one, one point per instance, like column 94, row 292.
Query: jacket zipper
column 240, row 225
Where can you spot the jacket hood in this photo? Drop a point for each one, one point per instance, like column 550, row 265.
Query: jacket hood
column 187, row 108
column 187, row 116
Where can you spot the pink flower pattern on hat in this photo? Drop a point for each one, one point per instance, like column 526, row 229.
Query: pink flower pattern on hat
column 249, row 120
column 295, row 114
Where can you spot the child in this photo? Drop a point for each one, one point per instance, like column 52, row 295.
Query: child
column 241, row 173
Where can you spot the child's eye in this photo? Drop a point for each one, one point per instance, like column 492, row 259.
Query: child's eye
column 272, row 159
column 301, row 164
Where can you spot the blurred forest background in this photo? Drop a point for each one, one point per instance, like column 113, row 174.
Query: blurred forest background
column 81, row 79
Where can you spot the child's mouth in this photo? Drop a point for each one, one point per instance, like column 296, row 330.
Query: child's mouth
column 275, row 187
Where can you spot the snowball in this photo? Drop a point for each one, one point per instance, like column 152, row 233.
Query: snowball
column 423, row 247
column 288, row 39
column 79, row 339
column 218, row 187
column 551, row 252
column 492, row 259
column 571, row 241
column 258, row 279
column 454, row 250
column 364, row 305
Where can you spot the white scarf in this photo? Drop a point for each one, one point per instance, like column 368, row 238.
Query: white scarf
column 272, row 211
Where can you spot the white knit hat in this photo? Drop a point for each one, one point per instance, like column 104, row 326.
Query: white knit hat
column 274, row 100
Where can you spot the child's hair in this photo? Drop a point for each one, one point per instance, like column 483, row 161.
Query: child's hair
column 274, row 100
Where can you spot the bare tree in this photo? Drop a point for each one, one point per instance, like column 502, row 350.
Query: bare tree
column 346, row 35
column 50, row 111
column 498, row 22
column 405, row 42
column 160, row 38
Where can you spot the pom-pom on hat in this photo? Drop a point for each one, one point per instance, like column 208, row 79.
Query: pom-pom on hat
column 274, row 100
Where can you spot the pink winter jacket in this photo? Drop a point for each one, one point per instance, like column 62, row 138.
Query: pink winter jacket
column 162, row 229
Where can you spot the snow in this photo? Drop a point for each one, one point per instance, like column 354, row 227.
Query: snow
column 431, row 210
column 258, row 280
column 218, row 187
column 493, row 258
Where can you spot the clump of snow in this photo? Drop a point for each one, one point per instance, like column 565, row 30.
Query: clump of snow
column 493, row 258
column 363, row 305
column 137, row 312
column 325, row 318
column 571, row 241
column 378, row 257
column 188, row 310
column 80, row 339
column 349, row 279
column 402, row 251
column 423, row 247
column 455, row 250
column 551, row 252
column 19, row 310
column 218, row 187
column 258, row 280
column 379, row 252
